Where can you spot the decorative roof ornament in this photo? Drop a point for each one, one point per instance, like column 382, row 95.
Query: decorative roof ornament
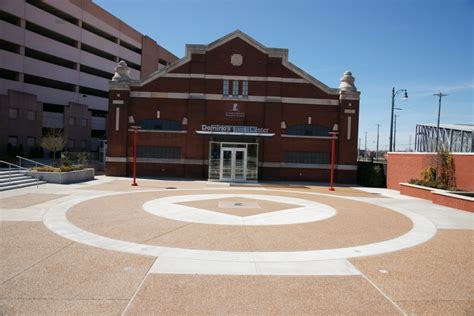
column 121, row 72
column 347, row 82
column 236, row 60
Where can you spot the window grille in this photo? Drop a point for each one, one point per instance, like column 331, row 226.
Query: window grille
column 159, row 124
column 308, row 130
column 159, row 152
column 307, row 157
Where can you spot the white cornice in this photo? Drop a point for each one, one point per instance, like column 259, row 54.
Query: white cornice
column 250, row 98
column 272, row 52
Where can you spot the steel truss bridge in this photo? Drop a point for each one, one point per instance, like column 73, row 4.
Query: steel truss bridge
column 453, row 137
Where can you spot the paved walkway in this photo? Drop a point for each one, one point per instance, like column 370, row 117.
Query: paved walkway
column 188, row 247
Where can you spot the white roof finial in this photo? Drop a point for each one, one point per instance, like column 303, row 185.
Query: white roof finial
column 347, row 82
column 122, row 72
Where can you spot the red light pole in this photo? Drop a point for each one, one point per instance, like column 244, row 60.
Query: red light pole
column 333, row 153
column 135, row 138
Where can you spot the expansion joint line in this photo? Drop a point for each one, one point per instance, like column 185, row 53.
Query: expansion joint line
column 138, row 288
column 37, row 262
column 384, row 295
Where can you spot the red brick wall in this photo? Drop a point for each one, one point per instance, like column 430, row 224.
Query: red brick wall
column 421, row 193
column 405, row 166
column 456, row 203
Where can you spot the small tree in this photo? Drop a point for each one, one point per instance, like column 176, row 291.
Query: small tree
column 54, row 141
column 446, row 177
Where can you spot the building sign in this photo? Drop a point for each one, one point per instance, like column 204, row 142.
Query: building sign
column 233, row 129
column 235, row 112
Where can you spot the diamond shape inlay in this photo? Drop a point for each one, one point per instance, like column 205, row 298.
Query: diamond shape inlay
column 239, row 206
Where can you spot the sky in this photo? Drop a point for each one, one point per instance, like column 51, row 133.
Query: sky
column 424, row 46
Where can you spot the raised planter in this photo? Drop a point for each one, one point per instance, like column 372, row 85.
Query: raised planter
column 416, row 190
column 459, row 200
column 64, row 177
column 451, row 199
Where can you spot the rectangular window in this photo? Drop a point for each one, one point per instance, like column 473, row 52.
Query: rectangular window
column 161, row 152
column 84, row 122
column 72, row 121
column 12, row 113
column 70, row 143
column 83, row 143
column 12, row 140
column 307, row 157
column 245, row 88
column 31, row 141
column 31, row 116
column 225, row 88
column 235, row 88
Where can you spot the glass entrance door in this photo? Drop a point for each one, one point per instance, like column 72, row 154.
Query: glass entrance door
column 233, row 164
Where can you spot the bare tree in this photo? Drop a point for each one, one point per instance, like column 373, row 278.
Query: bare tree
column 54, row 141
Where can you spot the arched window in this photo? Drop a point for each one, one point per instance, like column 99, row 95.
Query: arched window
column 308, row 130
column 160, row 125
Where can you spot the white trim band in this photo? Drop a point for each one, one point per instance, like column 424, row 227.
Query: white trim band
column 205, row 162
column 222, row 77
column 250, row 98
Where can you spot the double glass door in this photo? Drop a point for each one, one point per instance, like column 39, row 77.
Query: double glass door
column 233, row 164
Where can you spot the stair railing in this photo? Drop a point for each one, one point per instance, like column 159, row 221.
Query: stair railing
column 20, row 158
column 13, row 166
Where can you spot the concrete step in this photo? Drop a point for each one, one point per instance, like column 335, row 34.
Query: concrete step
column 12, row 175
column 18, row 181
column 17, row 186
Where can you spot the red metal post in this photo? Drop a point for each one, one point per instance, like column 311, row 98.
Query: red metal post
column 135, row 137
column 333, row 153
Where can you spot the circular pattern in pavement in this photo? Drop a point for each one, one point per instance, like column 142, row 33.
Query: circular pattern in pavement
column 56, row 219
column 299, row 211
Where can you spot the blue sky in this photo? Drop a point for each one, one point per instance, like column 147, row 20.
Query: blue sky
column 420, row 45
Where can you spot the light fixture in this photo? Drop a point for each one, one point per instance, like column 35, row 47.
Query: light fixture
column 185, row 121
column 131, row 120
column 283, row 125
column 405, row 97
column 335, row 127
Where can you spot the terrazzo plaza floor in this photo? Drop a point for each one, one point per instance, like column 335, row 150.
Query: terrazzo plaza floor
column 196, row 247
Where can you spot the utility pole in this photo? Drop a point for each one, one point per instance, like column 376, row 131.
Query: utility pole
column 405, row 97
column 377, row 152
column 395, row 132
column 366, row 144
column 409, row 142
column 439, row 95
column 358, row 148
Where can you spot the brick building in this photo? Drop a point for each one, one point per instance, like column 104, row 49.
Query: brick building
column 233, row 110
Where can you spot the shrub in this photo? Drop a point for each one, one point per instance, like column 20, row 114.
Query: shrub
column 58, row 169
column 440, row 177
column 47, row 169
column 429, row 174
column 71, row 168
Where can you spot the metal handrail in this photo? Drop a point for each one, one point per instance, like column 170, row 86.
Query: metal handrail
column 12, row 164
column 35, row 162
column 19, row 168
